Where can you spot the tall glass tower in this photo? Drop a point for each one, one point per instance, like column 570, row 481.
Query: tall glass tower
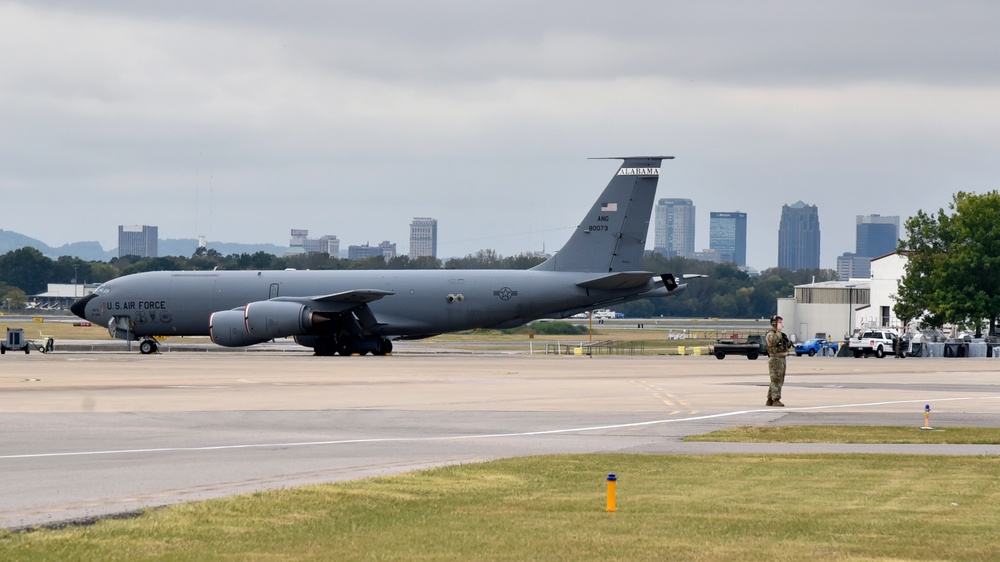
column 877, row 235
column 728, row 236
column 673, row 232
column 798, row 237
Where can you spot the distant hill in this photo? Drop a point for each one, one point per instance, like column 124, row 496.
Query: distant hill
column 92, row 251
column 88, row 251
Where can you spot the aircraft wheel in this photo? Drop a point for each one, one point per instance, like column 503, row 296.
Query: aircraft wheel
column 345, row 347
column 384, row 347
column 325, row 348
column 147, row 347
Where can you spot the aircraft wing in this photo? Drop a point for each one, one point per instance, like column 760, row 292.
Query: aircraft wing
column 355, row 296
column 621, row 280
column 339, row 302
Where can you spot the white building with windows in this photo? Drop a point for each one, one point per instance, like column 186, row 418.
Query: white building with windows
column 423, row 237
column 836, row 309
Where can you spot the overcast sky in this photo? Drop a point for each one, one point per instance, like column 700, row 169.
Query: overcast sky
column 240, row 120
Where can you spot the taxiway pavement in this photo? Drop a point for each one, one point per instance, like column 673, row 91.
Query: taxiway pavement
column 94, row 434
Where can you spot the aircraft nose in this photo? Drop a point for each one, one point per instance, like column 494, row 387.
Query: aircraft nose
column 80, row 306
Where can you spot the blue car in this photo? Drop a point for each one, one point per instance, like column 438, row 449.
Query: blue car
column 813, row 346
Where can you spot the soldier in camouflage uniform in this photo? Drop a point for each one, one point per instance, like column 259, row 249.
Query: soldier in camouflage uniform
column 777, row 348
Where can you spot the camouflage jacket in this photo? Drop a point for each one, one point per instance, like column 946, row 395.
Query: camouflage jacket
column 777, row 344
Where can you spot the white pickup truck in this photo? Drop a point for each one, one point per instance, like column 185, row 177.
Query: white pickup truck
column 878, row 342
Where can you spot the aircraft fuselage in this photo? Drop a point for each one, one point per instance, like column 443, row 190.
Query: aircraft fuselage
column 347, row 312
column 422, row 302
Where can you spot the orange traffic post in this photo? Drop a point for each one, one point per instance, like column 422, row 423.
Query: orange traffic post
column 612, row 481
column 927, row 417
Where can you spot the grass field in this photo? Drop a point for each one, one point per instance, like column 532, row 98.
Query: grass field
column 59, row 330
column 722, row 507
column 853, row 434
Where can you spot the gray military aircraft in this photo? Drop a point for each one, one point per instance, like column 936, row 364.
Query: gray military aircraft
column 349, row 312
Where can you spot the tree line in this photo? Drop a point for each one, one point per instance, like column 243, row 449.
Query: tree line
column 726, row 292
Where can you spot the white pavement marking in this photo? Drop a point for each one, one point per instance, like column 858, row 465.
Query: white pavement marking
column 482, row 436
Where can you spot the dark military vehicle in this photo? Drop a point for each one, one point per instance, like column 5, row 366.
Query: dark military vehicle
column 753, row 347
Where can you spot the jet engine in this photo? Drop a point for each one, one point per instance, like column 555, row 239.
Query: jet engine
column 278, row 319
column 229, row 328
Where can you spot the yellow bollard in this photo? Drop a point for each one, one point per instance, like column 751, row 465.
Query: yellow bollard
column 680, row 350
column 612, row 481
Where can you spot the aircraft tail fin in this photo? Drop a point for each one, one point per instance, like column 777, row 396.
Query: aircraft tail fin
column 612, row 236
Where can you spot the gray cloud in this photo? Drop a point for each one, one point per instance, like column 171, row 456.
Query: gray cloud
column 242, row 120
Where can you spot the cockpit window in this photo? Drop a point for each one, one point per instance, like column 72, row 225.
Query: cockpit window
column 102, row 290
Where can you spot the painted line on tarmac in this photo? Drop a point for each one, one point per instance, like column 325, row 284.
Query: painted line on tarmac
column 481, row 436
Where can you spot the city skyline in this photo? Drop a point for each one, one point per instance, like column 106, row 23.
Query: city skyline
column 702, row 235
column 331, row 243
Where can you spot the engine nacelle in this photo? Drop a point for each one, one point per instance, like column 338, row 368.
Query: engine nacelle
column 277, row 319
column 228, row 328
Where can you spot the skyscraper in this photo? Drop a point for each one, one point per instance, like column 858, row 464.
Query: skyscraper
column 673, row 232
column 798, row 237
column 423, row 237
column 137, row 240
column 877, row 235
column 728, row 236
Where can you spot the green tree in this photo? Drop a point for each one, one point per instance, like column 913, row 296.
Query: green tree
column 27, row 269
column 18, row 298
column 421, row 262
column 68, row 269
column 99, row 273
column 953, row 270
column 372, row 262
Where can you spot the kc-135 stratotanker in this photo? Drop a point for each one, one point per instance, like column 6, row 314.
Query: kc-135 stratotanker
column 347, row 312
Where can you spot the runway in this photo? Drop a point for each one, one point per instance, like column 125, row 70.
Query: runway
column 94, row 434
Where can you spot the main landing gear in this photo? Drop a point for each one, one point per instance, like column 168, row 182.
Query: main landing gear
column 147, row 347
column 347, row 345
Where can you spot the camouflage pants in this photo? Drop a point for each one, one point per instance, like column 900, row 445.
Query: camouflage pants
column 776, row 368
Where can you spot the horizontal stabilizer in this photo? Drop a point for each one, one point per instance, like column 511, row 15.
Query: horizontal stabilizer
column 615, row 281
